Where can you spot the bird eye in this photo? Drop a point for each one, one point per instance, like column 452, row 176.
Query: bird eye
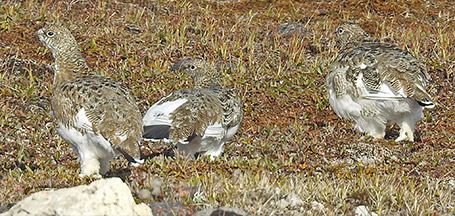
column 50, row 34
column 340, row 31
column 192, row 67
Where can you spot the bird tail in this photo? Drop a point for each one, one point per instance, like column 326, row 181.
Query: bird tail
column 423, row 98
column 156, row 133
column 426, row 104
column 133, row 161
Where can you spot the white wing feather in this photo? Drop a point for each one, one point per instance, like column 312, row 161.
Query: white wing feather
column 81, row 121
column 385, row 91
column 215, row 130
column 159, row 113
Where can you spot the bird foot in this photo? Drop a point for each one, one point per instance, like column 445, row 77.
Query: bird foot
column 406, row 133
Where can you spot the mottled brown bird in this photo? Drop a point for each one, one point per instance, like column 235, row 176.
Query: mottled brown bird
column 197, row 120
column 374, row 84
column 97, row 116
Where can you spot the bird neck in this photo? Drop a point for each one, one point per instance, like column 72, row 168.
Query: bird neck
column 356, row 43
column 207, row 83
column 69, row 65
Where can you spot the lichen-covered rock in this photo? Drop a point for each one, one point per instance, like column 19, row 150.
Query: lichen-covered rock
column 363, row 211
column 103, row 197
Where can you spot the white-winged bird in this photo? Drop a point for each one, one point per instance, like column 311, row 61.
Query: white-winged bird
column 197, row 120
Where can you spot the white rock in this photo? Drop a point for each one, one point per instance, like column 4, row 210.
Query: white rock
column 155, row 187
column 290, row 200
column 363, row 211
column 294, row 200
column 144, row 194
column 451, row 183
column 317, row 206
column 282, row 203
column 102, row 197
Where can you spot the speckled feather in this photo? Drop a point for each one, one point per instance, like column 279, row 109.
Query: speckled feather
column 207, row 104
column 381, row 63
column 108, row 105
column 202, row 109
column 378, row 83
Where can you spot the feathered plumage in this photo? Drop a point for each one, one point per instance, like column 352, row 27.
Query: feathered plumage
column 197, row 120
column 97, row 116
column 374, row 84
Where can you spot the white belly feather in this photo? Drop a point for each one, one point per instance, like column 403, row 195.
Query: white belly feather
column 86, row 144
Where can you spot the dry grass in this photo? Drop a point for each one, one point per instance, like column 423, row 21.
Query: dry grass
column 290, row 144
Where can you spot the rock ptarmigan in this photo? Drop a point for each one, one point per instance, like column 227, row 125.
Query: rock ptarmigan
column 197, row 120
column 374, row 84
column 97, row 116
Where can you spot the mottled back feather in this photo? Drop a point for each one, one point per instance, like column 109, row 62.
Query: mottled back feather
column 201, row 118
column 205, row 76
column 231, row 105
column 379, row 63
column 193, row 117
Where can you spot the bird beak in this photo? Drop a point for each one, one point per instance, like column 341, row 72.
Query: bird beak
column 180, row 65
column 37, row 33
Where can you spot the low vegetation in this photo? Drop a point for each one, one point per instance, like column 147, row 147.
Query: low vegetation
column 291, row 143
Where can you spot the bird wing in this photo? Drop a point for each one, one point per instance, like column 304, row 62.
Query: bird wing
column 183, row 114
column 385, row 72
column 231, row 105
column 157, row 121
column 101, row 106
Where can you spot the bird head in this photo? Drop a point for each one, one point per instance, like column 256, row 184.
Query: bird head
column 203, row 73
column 58, row 39
column 350, row 34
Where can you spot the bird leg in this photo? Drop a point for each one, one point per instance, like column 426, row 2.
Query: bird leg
column 90, row 166
column 406, row 132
